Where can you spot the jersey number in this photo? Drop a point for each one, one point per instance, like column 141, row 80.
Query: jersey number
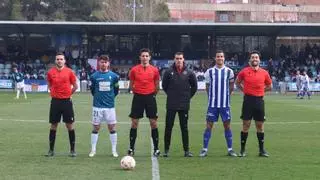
column 95, row 113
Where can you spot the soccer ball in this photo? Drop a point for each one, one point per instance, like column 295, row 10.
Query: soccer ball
column 127, row 163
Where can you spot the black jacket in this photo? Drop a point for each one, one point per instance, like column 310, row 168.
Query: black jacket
column 179, row 87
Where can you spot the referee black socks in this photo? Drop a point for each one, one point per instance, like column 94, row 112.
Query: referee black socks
column 244, row 136
column 155, row 138
column 72, row 139
column 133, row 136
column 52, row 138
column 260, row 136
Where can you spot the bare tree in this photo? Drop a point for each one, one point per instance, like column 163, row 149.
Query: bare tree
column 84, row 10
column 153, row 10
column 110, row 10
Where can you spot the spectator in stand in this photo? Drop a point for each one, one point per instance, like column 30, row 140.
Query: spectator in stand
column 270, row 65
column 282, row 50
column 308, row 49
column 83, row 79
column 83, row 75
column 122, row 75
column 315, row 50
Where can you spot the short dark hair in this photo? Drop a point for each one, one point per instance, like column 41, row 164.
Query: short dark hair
column 144, row 50
column 255, row 52
column 219, row 51
column 60, row 54
column 104, row 57
column 179, row 53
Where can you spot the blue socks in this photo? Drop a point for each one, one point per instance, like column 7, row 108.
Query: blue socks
column 206, row 138
column 228, row 136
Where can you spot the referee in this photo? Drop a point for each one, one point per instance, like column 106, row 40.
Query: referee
column 60, row 79
column 180, row 85
column 253, row 81
column 144, row 82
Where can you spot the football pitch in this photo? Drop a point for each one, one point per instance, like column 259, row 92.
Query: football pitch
column 292, row 137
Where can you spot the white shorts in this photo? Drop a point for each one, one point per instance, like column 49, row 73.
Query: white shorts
column 20, row 85
column 100, row 115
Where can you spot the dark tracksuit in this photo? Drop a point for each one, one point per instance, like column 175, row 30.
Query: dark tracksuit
column 179, row 87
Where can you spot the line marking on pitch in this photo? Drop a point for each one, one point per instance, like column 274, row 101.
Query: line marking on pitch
column 155, row 165
column 198, row 123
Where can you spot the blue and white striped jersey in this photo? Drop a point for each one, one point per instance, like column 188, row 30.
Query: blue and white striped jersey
column 218, row 80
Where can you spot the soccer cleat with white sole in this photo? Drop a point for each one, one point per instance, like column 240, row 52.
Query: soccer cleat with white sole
column 232, row 153
column 92, row 153
column 73, row 154
column 263, row 153
column 115, row 154
column 203, row 153
column 50, row 153
column 130, row 152
column 156, row 153
column 188, row 154
column 242, row 154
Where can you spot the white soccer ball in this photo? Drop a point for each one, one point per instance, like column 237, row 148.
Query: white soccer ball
column 127, row 163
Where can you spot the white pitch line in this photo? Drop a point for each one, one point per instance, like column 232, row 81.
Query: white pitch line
column 155, row 165
column 47, row 121
column 144, row 123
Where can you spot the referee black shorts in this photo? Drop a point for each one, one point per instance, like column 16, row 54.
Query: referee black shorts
column 141, row 103
column 253, row 108
column 61, row 107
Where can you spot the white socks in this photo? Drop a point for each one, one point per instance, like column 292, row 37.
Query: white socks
column 18, row 93
column 113, row 140
column 25, row 95
column 94, row 140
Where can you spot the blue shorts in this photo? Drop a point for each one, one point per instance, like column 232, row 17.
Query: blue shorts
column 213, row 114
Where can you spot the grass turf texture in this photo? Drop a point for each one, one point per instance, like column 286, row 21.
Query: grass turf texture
column 292, row 139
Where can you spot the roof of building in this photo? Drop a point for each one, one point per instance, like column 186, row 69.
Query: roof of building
column 220, row 29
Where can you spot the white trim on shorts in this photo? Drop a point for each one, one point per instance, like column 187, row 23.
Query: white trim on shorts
column 100, row 115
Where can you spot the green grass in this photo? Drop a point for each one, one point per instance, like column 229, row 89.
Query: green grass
column 292, row 139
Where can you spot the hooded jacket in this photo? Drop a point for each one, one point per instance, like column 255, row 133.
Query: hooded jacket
column 179, row 87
